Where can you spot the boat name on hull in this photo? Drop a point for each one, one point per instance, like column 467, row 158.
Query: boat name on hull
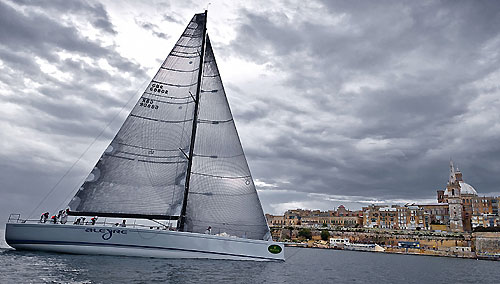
column 106, row 233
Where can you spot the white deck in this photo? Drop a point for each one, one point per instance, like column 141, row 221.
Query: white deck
column 107, row 240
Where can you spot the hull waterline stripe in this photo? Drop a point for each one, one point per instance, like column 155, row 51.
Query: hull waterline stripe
column 35, row 242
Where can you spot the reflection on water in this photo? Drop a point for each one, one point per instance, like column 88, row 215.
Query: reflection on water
column 302, row 265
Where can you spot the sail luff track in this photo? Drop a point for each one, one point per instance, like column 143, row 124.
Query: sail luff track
column 193, row 134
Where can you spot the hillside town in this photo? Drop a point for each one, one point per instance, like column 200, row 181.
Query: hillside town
column 453, row 222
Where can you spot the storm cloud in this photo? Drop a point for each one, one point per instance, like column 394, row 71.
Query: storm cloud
column 336, row 102
column 375, row 99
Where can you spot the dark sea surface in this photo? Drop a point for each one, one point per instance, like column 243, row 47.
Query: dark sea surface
column 302, row 266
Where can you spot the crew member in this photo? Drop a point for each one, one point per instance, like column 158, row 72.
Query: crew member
column 64, row 216
column 44, row 217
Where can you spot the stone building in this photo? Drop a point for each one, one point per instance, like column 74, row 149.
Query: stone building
column 407, row 217
column 467, row 210
column 436, row 214
column 459, row 195
column 316, row 218
column 485, row 212
column 275, row 220
column 459, row 208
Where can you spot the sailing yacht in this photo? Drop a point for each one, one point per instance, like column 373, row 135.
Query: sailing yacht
column 176, row 158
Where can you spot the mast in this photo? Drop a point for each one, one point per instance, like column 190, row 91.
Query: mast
column 182, row 218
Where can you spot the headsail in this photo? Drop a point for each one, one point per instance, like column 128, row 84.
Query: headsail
column 143, row 171
column 222, row 193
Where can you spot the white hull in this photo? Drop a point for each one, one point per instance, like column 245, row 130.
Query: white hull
column 86, row 239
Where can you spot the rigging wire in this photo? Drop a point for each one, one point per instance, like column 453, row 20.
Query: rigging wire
column 81, row 156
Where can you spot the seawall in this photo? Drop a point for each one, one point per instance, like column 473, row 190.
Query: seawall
column 484, row 245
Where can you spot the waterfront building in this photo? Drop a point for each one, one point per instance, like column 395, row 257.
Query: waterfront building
column 341, row 217
column 459, row 196
column 388, row 218
column 293, row 217
column 407, row 217
column 467, row 210
column 415, row 217
column 458, row 208
column 371, row 216
column 339, row 242
column 435, row 214
column 275, row 220
column 485, row 212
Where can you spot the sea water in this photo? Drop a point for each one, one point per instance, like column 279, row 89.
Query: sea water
column 302, row 266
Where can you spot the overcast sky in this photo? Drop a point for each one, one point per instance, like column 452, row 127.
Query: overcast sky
column 336, row 102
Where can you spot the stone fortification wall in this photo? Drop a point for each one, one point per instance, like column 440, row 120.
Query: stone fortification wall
column 486, row 243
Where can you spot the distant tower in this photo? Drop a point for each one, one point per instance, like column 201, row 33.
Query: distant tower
column 458, row 175
column 452, row 177
column 454, row 199
column 440, row 196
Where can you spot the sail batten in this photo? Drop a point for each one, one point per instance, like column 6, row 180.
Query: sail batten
column 178, row 70
column 175, row 85
column 186, row 46
column 161, row 120
column 146, row 148
column 183, row 56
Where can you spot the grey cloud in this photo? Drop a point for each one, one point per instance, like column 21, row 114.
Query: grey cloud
column 154, row 29
column 173, row 18
column 55, row 103
column 95, row 11
column 35, row 32
column 53, row 111
column 423, row 59
column 369, row 102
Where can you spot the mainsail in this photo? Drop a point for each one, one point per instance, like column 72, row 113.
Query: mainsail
column 144, row 171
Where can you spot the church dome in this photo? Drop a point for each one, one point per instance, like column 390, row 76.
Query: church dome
column 465, row 188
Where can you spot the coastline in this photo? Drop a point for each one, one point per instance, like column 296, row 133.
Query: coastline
column 470, row 245
column 403, row 252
